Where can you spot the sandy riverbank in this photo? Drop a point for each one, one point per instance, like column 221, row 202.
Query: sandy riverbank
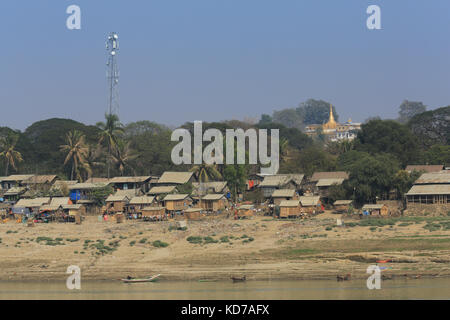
column 280, row 249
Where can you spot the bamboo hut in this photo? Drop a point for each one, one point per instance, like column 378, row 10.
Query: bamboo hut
column 177, row 202
column 342, row 206
column 214, row 202
column 153, row 213
column 193, row 213
column 290, row 208
column 283, row 194
column 376, row 209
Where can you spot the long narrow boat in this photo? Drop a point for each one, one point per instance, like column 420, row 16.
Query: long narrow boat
column 238, row 279
column 153, row 278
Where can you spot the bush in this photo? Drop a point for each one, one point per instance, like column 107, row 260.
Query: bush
column 193, row 239
column 160, row 244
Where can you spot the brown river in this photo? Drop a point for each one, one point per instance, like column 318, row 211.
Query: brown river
column 278, row 290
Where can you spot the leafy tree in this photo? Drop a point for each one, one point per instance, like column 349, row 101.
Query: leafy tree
column 337, row 192
column 110, row 132
column 76, row 152
column 409, row 109
column 9, row 152
column 289, row 118
column 99, row 195
column 438, row 154
column 371, row 177
column 378, row 136
column 265, row 119
column 236, row 177
column 403, row 181
column 315, row 159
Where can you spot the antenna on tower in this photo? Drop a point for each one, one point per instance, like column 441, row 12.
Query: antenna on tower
column 112, row 46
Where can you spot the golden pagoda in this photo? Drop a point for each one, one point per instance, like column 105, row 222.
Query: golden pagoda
column 331, row 124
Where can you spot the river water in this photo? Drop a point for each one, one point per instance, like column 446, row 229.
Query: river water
column 278, row 290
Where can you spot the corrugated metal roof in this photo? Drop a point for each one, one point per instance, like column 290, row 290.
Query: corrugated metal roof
column 18, row 177
column 142, row 200
column 329, row 175
column 129, row 179
column 372, row 206
column 41, row 179
column 201, row 188
column 152, row 208
column 425, row 168
column 307, row 201
column 342, row 202
column 329, row 182
column 434, row 177
column 119, row 198
column 279, row 180
column 58, row 201
column 283, row 193
column 162, row 189
column 37, row 202
column 175, row 197
column 88, row 185
column 213, row 197
column 290, row 203
column 429, row 189
column 175, row 177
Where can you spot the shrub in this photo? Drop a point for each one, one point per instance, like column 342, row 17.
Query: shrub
column 194, row 239
column 160, row 244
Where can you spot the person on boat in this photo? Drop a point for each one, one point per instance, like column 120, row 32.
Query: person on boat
column 129, row 277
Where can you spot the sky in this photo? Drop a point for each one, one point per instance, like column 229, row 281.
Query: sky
column 211, row 60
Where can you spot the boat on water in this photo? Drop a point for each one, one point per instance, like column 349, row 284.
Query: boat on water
column 133, row 280
column 238, row 279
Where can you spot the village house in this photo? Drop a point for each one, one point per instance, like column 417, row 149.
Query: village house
column 200, row 189
column 117, row 202
column 311, row 204
column 193, row 213
column 214, row 202
column 125, row 183
column 325, row 179
column 170, row 178
column 342, row 206
column 15, row 180
column 290, row 208
column 323, row 187
column 375, row 209
column 280, row 181
column 13, row 194
column 136, row 204
column 83, row 191
column 283, row 194
column 29, row 206
column 430, row 194
column 177, row 202
column 245, row 211
column 153, row 213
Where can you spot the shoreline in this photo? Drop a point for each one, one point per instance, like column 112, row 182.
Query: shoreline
column 261, row 248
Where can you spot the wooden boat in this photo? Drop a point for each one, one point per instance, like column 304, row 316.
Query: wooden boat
column 238, row 279
column 343, row 278
column 132, row 280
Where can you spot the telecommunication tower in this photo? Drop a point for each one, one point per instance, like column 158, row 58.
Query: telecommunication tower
column 112, row 46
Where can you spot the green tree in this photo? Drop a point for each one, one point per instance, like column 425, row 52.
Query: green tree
column 388, row 136
column 111, row 130
column 236, row 177
column 403, row 181
column 9, row 152
column 371, row 177
column 76, row 152
column 315, row 111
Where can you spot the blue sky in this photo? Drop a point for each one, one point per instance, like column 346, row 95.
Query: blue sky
column 185, row 60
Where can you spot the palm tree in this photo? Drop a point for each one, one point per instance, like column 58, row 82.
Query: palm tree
column 123, row 155
column 77, row 152
column 12, row 156
column 92, row 158
column 110, row 132
column 203, row 172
